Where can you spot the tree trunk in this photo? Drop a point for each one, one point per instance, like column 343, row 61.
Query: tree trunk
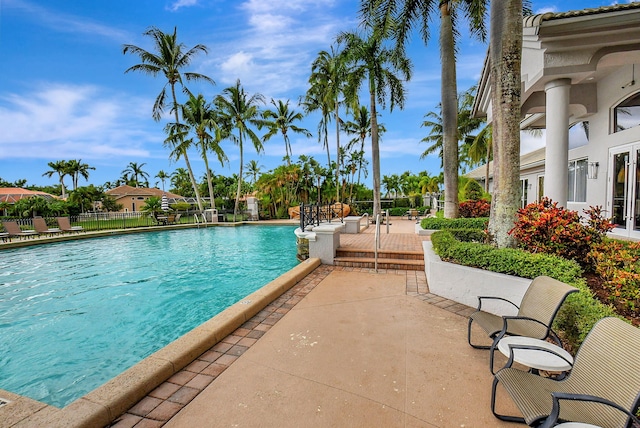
column 375, row 150
column 209, row 183
column 184, row 152
column 337, row 117
column 486, row 172
column 505, row 59
column 449, row 113
column 235, row 208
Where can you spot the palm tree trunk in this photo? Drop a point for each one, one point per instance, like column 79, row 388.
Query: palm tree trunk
column 375, row 149
column 209, row 183
column 235, row 209
column 486, row 173
column 449, row 113
column 184, row 152
column 505, row 51
column 337, row 152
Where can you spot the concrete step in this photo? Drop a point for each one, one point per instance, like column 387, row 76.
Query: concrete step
column 344, row 252
column 383, row 263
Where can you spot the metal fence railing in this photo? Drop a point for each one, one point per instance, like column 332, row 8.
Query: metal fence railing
column 313, row 215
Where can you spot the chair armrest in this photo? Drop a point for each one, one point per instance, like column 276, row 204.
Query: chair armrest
column 481, row 298
column 534, row 348
column 505, row 329
column 552, row 419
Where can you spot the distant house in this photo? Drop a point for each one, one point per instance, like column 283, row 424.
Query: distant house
column 579, row 72
column 133, row 198
column 11, row 195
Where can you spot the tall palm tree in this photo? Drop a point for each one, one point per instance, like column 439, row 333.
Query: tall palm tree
column 329, row 75
column 480, row 150
column 371, row 61
column 169, row 59
column 60, row 168
column 237, row 110
column 134, row 172
column 199, row 115
column 505, row 59
column 76, row 169
column 163, row 176
column 282, row 120
column 410, row 12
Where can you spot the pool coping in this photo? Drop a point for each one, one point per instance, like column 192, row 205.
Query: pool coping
column 104, row 404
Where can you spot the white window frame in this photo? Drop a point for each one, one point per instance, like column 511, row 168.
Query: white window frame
column 577, row 180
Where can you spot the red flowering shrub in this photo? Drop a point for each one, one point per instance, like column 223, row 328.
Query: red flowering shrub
column 474, row 208
column 543, row 227
column 618, row 264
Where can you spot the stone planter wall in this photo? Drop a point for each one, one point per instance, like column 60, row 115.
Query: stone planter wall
column 464, row 284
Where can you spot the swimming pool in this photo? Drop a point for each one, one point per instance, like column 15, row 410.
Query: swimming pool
column 75, row 314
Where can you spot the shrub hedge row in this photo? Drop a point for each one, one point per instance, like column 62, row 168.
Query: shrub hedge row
column 580, row 311
column 435, row 223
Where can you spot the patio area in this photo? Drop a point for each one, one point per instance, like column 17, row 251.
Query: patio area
column 345, row 347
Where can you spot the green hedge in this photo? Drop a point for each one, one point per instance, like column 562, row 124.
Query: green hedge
column 436, row 223
column 580, row 311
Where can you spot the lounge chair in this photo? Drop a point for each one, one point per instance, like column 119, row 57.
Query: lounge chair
column 536, row 313
column 65, row 225
column 40, row 225
column 602, row 389
column 13, row 229
column 4, row 236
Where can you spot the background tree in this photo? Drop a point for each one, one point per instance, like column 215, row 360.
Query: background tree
column 239, row 111
column 372, row 61
column 505, row 54
column 253, row 170
column 199, row 115
column 180, row 183
column 60, row 168
column 282, row 120
column 313, row 101
column 163, row 177
column 170, row 59
column 76, row 169
column 134, row 172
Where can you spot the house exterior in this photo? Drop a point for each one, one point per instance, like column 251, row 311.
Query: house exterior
column 579, row 85
column 133, row 199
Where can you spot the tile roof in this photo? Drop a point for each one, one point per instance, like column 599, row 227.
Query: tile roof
column 536, row 20
column 125, row 190
column 14, row 194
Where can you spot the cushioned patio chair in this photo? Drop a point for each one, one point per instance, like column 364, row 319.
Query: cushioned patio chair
column 605, row 379
column 65, row 225
column 40, row 225
column 13, row 229
column 536, row 313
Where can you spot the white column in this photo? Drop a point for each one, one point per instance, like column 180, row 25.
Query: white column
column 557, row 148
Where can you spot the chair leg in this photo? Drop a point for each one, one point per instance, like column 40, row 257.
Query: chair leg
column 469, row 337
column 493, row 406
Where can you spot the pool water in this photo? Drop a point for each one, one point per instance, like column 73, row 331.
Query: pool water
column 75, row 314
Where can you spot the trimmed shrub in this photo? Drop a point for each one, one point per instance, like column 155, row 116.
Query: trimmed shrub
column 436, row 223
column 472, row 190
column 579, row 312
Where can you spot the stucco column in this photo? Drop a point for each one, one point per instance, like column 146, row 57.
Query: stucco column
column 557, row 147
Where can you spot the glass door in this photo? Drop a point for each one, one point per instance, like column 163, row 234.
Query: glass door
column 624, row 180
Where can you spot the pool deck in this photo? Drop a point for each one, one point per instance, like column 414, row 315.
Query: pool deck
column 346, row 347
column 343, row 347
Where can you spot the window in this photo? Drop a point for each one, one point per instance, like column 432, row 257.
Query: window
column 577, row 191
column 627, row 114
column 540, row 187
column 524, row 184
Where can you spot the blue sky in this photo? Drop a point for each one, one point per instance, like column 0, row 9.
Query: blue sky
column 64, row 93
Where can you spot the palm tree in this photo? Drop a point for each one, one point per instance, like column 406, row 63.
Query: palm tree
column 170, row 59
column 282, row 120
column 198, row 114
column 134, row 171
column 253, row 170
column 505, row 62
column 313, row 101
column 181, row 183
column 360, row 126
column 371, row 61
column 410, row 11
column 60, row 168
column 76, row 169
column 239, row 111
column 480, row 150
column 329, row 75
column 163, row 176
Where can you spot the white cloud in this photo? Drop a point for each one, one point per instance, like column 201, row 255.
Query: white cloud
column 67, row 121
column 182, row 3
